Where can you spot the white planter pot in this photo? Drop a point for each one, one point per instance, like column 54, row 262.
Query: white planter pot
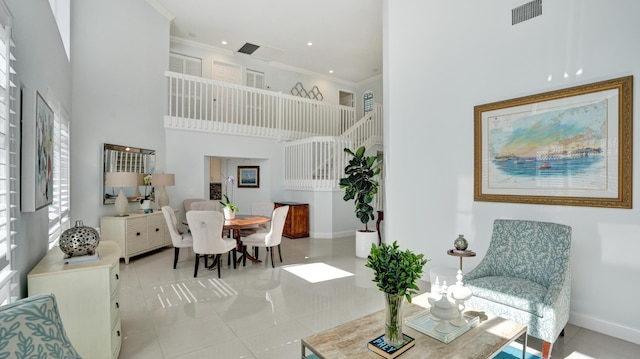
column 228, row 213
column 364, row 240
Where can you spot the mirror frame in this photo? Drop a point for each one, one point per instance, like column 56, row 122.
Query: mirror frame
column 117, row 158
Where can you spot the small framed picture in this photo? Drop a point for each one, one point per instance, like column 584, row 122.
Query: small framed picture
column 249, row 176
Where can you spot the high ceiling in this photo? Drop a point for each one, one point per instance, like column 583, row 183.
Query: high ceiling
column 346, row 34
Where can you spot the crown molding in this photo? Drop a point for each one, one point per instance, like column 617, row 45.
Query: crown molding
column 161, row 10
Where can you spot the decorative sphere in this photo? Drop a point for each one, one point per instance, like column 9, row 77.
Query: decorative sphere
column 79, row 240
column 461, row 243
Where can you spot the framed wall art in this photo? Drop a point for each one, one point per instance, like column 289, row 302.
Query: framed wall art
column 249, row 176
column 37, row 152
column 567, row 147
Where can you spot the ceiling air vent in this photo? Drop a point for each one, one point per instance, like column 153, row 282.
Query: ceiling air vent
column 248, row 48
column 526, row 12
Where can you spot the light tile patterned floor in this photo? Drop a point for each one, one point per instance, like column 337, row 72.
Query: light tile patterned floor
column 259, row 312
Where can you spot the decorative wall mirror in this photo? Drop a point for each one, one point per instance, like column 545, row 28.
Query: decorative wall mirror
column 116, row 158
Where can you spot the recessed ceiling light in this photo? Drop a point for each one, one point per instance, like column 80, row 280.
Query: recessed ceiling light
column 309, row 43
column 330, row 71
column 224, row 42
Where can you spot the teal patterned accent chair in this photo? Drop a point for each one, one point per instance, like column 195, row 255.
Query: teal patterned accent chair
column 31, row 328
column 526, row 277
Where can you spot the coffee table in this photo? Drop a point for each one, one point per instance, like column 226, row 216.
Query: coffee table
column 349, row 340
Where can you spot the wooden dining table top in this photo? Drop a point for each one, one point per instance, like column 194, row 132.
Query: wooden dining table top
column 241, row 221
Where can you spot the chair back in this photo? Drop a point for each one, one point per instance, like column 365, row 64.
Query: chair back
column 187, row 203
column 35, row 321
column 205, row 206
column 537, row 251
column 274, row 237
column 206, row 230
column 172, row 225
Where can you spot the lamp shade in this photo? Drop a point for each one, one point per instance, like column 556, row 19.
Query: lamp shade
column 163, row 179
column 121, row 179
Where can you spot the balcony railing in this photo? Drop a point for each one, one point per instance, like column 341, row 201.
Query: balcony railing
column 196, row 103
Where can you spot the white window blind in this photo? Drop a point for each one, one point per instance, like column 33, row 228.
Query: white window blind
column 59, row 210
column 8, row 159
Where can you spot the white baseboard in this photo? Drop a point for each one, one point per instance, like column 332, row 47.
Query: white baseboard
column 602, row 326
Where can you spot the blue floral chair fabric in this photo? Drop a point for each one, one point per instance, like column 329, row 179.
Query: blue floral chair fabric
column 31, row 328
column 526, row 277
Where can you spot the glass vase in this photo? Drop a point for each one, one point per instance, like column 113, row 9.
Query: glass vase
column 393, row 324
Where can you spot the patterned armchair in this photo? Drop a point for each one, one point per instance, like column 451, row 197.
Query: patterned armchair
column 31, row 328
column 526, row 277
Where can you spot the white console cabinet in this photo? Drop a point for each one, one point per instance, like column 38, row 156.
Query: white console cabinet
column 88, row 298
column 136, row 233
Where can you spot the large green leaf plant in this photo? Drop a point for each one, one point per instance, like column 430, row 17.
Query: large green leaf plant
column 360, row 184
column 395, row 271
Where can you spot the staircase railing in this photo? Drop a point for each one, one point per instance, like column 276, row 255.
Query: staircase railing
column 315, row 162
column 368, row 130
column 201, row 104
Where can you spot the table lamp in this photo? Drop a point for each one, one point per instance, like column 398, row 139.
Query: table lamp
column 121, row 179
column 163, row 180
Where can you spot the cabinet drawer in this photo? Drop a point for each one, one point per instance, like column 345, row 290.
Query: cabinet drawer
column 116, row 339
column 115, row 307
column 137, row 234
column 156, row 231
column 114, row 277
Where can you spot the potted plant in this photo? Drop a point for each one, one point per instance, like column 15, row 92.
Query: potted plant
column 361, row 186
column 228, row 208
column 395, row 274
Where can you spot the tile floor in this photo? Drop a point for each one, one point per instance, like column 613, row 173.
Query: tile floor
column 260, row 312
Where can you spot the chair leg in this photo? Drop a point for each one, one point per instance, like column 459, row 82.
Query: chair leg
column 256, row 252
column 546, row 349
column 280, row 253
column 235, row 257
column 176, row 252
column 272, row 265
column 244, row 256
column 229, row 260
column 562, row 333
column 218, row 260
column 195, row 272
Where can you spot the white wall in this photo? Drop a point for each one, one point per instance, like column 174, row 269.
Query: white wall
column 119, row 54
column 42, row 66
column 469, row 54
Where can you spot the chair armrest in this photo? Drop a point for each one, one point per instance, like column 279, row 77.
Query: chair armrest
column 483, row 269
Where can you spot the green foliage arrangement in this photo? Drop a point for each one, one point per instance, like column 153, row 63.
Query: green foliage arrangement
column 228, row 204
column 396, row 271
column 359, row 183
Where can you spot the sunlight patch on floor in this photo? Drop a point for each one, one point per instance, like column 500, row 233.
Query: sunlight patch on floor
column 192, row 291
column 316, row 272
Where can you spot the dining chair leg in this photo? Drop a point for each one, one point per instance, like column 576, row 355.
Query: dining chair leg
column 176, row 251
column 280, row 253
column 244, row 255
column 195, row 271
column 256, row 252
column 235, row 254
column 218, row 260
column 272, row 265
column 229, row 260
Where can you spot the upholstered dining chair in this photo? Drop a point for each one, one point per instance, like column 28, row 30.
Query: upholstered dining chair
column 186, row 203
column 32, row 327
column 264, row 209
column 179, row 239
column 526, row 277
column 272, row 238
column 206, row 229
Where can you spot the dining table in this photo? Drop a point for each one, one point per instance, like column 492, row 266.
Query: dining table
column 239, row 222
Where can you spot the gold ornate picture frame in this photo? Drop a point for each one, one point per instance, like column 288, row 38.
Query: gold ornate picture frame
column 568, row 147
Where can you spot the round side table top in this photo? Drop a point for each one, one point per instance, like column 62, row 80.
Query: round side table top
column 459, row 253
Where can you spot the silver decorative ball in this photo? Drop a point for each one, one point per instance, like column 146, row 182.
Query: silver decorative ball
column 79, row 240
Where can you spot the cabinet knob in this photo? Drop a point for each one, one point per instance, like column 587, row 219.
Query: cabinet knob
column 117, row 305
column 117, row 276
column 118, row 333
column 157, row 229
column 137, row 233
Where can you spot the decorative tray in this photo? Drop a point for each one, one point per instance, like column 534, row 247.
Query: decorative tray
column 424, row 322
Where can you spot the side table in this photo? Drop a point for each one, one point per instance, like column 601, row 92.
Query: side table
column 461, row 254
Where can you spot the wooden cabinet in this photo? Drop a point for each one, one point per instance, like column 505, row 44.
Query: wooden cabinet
column 88, row 298
column 297, row 223
column 136, row 233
